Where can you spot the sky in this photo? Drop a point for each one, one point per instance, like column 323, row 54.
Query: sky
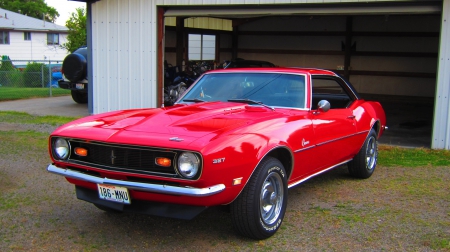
column 65, row 8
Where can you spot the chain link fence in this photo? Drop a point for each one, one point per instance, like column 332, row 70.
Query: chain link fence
column 31, row 78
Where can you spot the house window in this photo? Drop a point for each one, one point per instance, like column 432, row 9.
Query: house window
column 202, row 47
column 4, row 37
column 27, row 36
column 52, row 39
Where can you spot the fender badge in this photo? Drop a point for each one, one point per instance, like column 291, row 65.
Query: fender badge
column 304, row 142
column 176, row 139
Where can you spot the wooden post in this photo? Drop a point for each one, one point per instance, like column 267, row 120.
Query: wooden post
column 160, row 59
column 180, row 41
column 348, row 46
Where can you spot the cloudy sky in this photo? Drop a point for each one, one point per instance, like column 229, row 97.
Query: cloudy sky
column 65, row 8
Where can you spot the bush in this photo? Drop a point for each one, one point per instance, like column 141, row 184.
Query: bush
column 6, row 71
column 36, row 75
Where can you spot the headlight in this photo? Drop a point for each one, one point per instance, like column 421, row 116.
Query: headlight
column 61, row 148
column 188, row 165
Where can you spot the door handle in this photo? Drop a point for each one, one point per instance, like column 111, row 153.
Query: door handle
column 351, row 117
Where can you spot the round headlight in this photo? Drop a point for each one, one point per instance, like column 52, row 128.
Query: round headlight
column 188, row 164
column 61, row 148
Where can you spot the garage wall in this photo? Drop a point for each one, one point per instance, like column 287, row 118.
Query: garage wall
column 323, row 51
column 124, row 54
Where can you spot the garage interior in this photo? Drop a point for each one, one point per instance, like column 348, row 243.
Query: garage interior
column 389, row 52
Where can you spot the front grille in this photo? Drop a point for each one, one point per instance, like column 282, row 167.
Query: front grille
column 123, row 158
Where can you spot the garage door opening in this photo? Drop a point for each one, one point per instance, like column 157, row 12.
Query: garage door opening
column 388, row 57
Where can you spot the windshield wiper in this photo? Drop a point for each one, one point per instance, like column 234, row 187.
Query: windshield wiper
column 193, row 100
column 251, row 102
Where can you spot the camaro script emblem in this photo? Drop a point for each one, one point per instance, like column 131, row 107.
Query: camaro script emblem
column 304, row 142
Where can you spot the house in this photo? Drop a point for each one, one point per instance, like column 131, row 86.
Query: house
column 24, row 38
column 396, row 49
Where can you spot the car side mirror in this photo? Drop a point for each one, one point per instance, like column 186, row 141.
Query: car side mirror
column 323, row 106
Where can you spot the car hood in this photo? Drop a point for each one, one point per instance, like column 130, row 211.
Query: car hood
column 180, row 123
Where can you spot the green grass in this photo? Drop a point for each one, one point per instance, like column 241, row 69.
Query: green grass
column 25, row 118
column 11, row 93
column 412, row 157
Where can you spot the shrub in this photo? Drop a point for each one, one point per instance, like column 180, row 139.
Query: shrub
column 6, row 71
column 36, row 75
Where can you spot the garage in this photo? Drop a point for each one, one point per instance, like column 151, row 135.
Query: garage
column 389, row 50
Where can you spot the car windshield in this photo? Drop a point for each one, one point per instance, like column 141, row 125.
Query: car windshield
column 271, row 89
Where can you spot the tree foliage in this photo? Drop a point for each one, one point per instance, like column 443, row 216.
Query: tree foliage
column 77, row 30
column 32, row 8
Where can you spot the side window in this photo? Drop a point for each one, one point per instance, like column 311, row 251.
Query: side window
column 331, row 90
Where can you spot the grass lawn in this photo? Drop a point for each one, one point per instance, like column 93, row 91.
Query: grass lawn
column 11, row 93
column 404, row 206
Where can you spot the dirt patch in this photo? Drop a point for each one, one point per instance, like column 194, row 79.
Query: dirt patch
column 397, row 209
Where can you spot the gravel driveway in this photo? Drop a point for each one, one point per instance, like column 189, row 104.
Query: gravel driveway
column 397, row 209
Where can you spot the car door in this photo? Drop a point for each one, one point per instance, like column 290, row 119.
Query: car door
column 335, row 129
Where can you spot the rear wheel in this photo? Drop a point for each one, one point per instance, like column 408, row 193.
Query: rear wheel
column 259, row 210
column 79, row 97
column 364, row 163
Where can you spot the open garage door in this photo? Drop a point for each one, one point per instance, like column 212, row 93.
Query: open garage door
column 388, row 51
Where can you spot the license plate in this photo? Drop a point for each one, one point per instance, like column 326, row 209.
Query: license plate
column 114, row 193
column 79, row 86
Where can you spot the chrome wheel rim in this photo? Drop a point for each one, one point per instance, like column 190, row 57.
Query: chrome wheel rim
column 271, row 198
column 371, row 153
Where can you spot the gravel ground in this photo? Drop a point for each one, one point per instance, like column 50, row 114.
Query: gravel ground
column 397, row 209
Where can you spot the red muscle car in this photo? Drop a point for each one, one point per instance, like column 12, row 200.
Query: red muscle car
column 237, row 137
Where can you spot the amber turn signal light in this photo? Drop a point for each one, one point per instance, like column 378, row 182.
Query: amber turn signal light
column 81, row 151
column 162, row 161
column 237, row 181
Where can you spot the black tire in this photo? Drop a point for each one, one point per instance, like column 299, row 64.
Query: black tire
column 79, row 97
column 259, row 210
column 107, row 209
column 364, row 163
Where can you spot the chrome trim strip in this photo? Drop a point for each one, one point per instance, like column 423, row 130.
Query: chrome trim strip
column 318, row 173
column 340, row 138
column 154, row 188
column 306, row 148
column 330, row 141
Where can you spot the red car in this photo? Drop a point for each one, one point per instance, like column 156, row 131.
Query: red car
column 237, row 137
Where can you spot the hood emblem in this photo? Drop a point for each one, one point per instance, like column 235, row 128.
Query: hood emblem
column 113, row 157
column 176, row 139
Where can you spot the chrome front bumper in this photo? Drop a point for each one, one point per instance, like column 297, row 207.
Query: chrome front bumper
column 146, row 187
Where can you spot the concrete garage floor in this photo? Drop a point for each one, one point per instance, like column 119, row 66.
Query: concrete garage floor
column 409, row 119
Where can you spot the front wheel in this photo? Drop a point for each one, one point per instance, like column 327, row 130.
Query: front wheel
column 364, row 163
column 259, row 210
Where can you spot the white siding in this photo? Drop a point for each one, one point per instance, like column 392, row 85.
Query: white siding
column 441, row 124
column 34, row 49
column 124, row 55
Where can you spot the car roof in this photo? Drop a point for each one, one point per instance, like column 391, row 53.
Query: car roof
column 298, row 70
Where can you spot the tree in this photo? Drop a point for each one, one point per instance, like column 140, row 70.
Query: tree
column 76, row 36
column 31, row 8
